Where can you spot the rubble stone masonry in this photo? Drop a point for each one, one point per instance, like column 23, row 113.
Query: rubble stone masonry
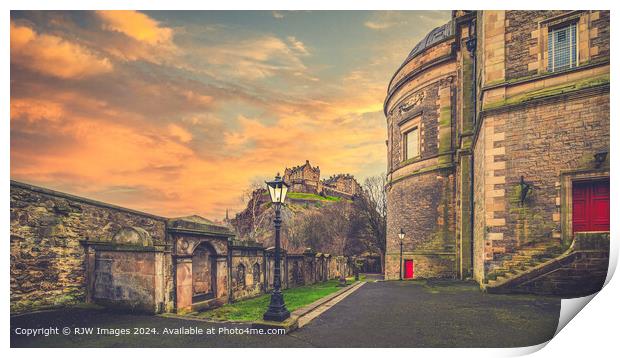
column 519, row 120
column 68, row 250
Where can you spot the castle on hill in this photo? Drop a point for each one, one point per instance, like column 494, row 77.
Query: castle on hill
column 307, row 179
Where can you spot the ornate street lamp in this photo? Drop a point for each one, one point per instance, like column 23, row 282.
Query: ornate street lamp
column 401, row 236
column 277, row 309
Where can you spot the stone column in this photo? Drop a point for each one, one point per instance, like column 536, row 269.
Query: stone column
column 221, row 285
column 184, row 284
column 90, row 273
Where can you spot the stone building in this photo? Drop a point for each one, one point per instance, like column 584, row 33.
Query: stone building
column 498, row 141
column 307, row 179
column 68, row 250
column 341, row 185
column 303, row 178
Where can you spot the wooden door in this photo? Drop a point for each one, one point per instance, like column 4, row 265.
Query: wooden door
column 408, row 268
column 591, row 206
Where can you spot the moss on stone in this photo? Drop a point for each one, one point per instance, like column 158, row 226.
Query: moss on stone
column 532, row 225
column 422, row 171
column 445, row 133
column 550, row 91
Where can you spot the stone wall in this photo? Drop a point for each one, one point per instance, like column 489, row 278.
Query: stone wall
column 581, row 271
column 520, row 25
column 48, row 229
column 427, row 109
column 526, row 39
column 248, row 271
column 421, row 191
column 524, row 121
column 424, row 208
column 67, row 250
column 539, row 142
column 600, row 35
column 128, row 279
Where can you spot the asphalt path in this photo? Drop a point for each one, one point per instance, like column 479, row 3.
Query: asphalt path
column 379, row 314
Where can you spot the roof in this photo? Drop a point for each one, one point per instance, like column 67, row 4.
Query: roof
column 436, row 35
column 301, row 167
column 198, row 224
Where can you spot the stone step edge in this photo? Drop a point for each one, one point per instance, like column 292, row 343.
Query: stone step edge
column 291, row 324
column 499, row 283
column 300, row 312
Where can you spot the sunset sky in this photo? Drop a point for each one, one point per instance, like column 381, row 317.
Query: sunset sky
column 176, row 113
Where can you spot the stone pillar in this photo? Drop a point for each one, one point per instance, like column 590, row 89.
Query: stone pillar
column 221, row 286
column 90, row 273
column 160, row 283
column 184, row 284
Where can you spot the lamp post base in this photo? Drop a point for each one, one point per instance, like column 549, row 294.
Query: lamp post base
column 277, row 309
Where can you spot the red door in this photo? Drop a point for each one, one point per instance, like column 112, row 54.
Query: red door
column 408, row 268
column 591, row 206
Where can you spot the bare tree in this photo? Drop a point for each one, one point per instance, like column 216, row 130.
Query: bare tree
column 253, row 198
column 369, row 226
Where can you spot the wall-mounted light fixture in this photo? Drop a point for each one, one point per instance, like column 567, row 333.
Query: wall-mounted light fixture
column 600, row 157
column 525, row 189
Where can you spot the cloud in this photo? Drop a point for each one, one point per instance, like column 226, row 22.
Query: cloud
column 253, row 58
column 54, row 56
column 202, row 104
column 297, row 45
column 180, row 133
column 136, row 25
column 378, row 25
column 386, row 19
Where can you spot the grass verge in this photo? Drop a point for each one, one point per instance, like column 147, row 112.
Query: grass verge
column 253, row 309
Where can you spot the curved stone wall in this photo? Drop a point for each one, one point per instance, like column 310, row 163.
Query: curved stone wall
column 421, row 190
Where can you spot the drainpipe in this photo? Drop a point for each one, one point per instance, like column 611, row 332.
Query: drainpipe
column 471, row 47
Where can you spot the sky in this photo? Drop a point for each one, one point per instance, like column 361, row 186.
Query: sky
column 177, row 113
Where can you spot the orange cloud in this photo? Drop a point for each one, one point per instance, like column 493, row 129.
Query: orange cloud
column 52, row 55
column 188, row 136
column 136, row 25
column 34, row 110
column 180, row 133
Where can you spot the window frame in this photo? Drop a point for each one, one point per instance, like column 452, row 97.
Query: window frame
column 568, row 25
column 405, row 127
column 406, row 143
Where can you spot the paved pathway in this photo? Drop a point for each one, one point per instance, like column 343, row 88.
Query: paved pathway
column 379, row 314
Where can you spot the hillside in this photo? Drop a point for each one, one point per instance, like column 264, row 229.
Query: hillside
column 308, row 220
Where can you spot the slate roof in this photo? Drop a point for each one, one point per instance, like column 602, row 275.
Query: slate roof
column 437, row 35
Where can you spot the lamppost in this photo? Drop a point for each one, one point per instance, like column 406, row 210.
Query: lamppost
column 401, row 236
column 277, row 309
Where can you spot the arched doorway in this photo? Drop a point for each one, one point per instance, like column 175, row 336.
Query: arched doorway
column 204, row 273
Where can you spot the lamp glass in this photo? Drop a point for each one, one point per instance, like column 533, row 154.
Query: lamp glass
column 277, row 190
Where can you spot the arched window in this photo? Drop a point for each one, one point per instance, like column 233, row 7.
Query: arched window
column 241, row 275
column 256, row 273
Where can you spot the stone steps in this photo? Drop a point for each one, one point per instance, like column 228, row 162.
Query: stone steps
column 522, row 261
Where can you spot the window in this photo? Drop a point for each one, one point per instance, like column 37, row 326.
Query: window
column 562, row 43
column 412, row 144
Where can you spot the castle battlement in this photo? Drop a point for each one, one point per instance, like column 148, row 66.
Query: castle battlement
column 307, row 179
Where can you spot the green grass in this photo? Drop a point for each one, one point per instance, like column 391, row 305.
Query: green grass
column 253, row 309
column 309, row 196
column 351, row 279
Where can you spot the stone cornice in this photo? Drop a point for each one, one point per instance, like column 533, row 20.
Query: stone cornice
column 412, row 74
